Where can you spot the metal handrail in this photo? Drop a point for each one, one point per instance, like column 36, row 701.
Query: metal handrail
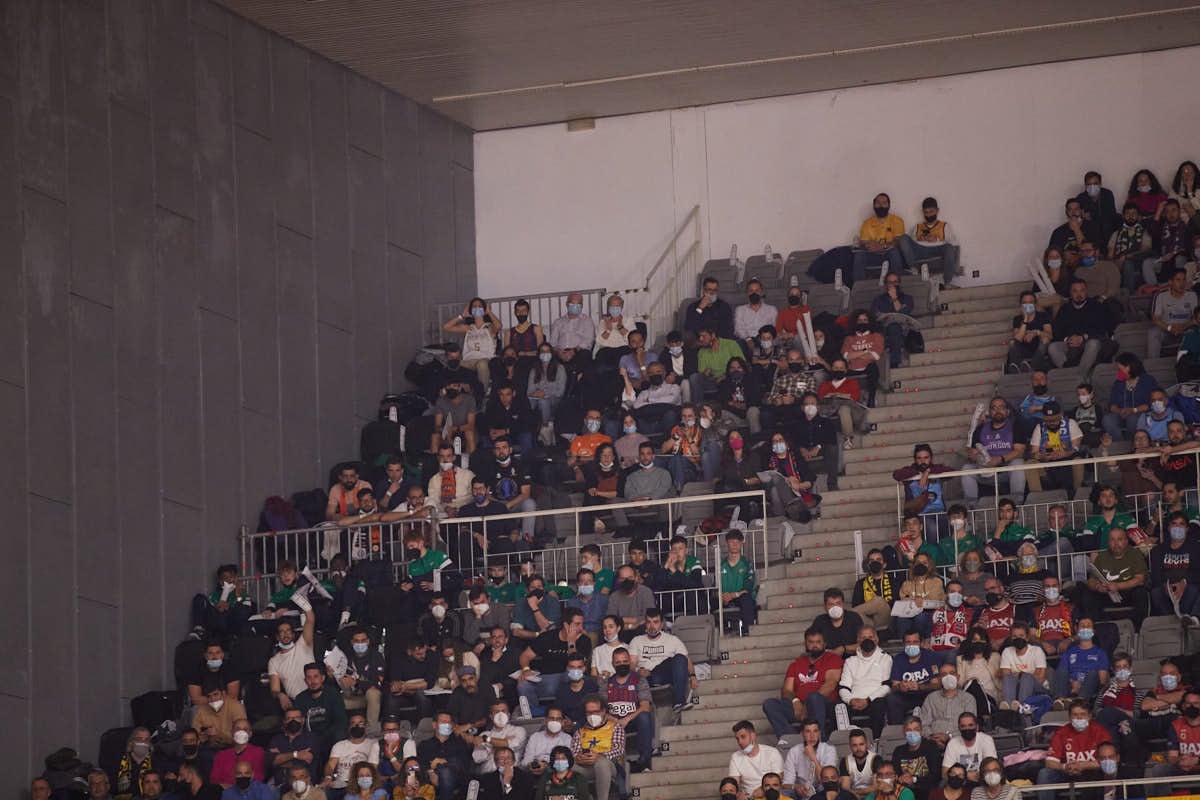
column 544, row 308
column 1124, row 783
column 693, row 215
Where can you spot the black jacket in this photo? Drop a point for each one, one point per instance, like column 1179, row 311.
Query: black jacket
column 1091, row 320
column 522, row 787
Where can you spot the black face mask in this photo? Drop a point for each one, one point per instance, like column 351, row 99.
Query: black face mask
column 862, row 330
column 243, row 782
column 293, row 726
column 794, row 368
column 875, row 567
column 453, row 363
column 920, row 570
column 813, row 655
column 1191, row 712
column 510, row 360
column 357, row 731
column 657, row 380
column 930, row 220
column 1019, row 643
column 755, row 298
column 771, row 794
column 830, row 786
column 538, row 593
column 955, row 781
column 867, row 647
column 881, row 212
column 837, row 374
column 728, row 796
column 497, row 579
column 1040, row 388
column 628, row 585
column 412, row 553
column 793, row 300
column 993, row 598
column 191, row 750
column 621, row 670
column 522, row 319
column 451, row 394
column 734, row 375
column 968, row 735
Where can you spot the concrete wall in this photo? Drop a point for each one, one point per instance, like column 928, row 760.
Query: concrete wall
column 1000, row 150
column 217, row 249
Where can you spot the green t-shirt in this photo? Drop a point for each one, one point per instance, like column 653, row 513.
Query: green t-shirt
column 506, row 592
column 1014, row 532
column 738, row 577
column 905, row 793
column 426, row 564
column 1130, row 564
column 944, row 555
column 604, row 580
column 1098, row 526
column 726, row 349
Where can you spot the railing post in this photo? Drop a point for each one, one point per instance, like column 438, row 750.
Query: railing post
column 716, row 551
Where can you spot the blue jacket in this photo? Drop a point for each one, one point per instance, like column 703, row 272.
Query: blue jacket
column 257, row 791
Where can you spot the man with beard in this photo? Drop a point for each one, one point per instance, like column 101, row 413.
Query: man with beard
column 998, row 442
column 931, row 238
column 876, row 241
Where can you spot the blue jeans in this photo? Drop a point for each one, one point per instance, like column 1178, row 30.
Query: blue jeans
column 1061, row 682
column 782, row 714
column 893, row 334
column 915, row 253
column 1119, row 428
column 643, row 725
column 922, row 623
column 545, row 407
column 682, row 470
column 547, row 688
column 674, row 673
column 864, row 259
column 1019, row 686
column 449, row 781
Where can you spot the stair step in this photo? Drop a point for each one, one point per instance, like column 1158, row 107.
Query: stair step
column 727, row 714
column 683, row 791
column 964, row 355
column 771, row 621
column 919, row 395
column 728, row 685
column 987, row 318
column 689, row 753
column 839, row 510
column 707, row 774
column 708, row 730
column 946, row 442
column 979, row 367
column 928, row 405
column 737, row 669
column 1010, row 291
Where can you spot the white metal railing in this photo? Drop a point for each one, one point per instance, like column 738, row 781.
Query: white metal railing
column 467, row 538
column 544, row 309
column 1108, row 783
column 680, row 263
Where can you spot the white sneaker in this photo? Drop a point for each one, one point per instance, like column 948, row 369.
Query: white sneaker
column 783, row 744
column 1025, row 709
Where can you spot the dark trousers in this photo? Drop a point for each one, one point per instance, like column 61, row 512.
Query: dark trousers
column 1096, row 603
column 747, row 608
column 233, row 622
column 674, row 673
column 782, row 713
column 877, row 712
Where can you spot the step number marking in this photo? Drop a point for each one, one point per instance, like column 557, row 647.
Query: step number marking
column 724, row 655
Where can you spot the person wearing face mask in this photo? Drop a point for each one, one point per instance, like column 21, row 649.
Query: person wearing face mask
column 886, row 785
column 876, row 240
column 573, row 331
column 949, row 549
column 546, row 385
column 1000, row 440
column 480, row 329
column 683, row 449
column 1130, row 241
column 646, row 480
column 612, row 341
column 439, row 623
column 782, row 404
column 586, row 445
column 955, row 787
column 941, row 710
column 993, row 786
column 1072, row 752
column 136, row 761
column 712, row 359
column 483, row 616
column 1129, row 397
column 1088, row 415
column 914, row 676
column 1175, row 569
column 951, row 622
column 931, row 239
column 246, row 785
column 1022, row 669
column 214, row 720
column 338, row 773
column 500, row 734
column 213, row 668
column 454, row 417
column 922, row 587
column 771, row 787
column 298, row 784
column 787, row 321
column 789, row 482
column 1053, row 619
column 809, row 690
column 978, row 667
column 561, row 780
column 1083, row 668
column 741, row 394
column 814, row 438
column 525, row 336
column 1038, row 396
column 537, row 612
column 1056, row 438
column 864, row 684
column 1160, row 414
column 590, row 600
column 451, row 486
column 754, row 314
column 1031, row 334
column 629, row 441
column 974, row 581
column 1098, row 203
column 998, row 615
column 890, row 309
column 656, row 407
column 1183, row 740
column 224, row 611
column 628, row 703
column 923, row 491
column 843, row 395
column 446, row 755
column 1067, row 237
column 679, row 362
column 970, row 749
column 1082, row 330
column 1025, row 582
column 575, row 686
column 1171, row 312
column 873, row 592
column 1116, row 706
column 1172, row 240
column 604, row 483
column 358, row 669
column 293, row 743
column 839, row 626
column 538, row 746
column 224, row 766
column 863, row 349
column 638, row 359
column 1161, row 705
column 630, row 600
column 752, row 760
column 710, row 310
column 598, row 745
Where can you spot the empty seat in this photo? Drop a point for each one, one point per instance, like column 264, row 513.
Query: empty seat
column 1145, row 673
column 1126, row 639
column 1161, row 637
column 699, row 635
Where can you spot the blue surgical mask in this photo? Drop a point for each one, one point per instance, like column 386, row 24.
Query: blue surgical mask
column 545, row 357
column 1028, row 308
column 587, row 589
column 1108, row 766
column 1123, row 674
column 630, row 429
column 561, row 765
column 445, row 729
column 1170, row 682
column 1087, row 634
column 575, row 308
column 955, row 599
column 912, row 650
column 675, row 351
column 779, row 448
column 592, row 425
column 1092, row 189
column 1178, row 533
column 574, row 675
column 214, row 663
column 1158, row 406
column 1054, row 263
column 1080, row 724
column 1087, row 261
column 913, row 738
column 477, row 313
column 361, row 647
column 615, row 311
column 365, row 781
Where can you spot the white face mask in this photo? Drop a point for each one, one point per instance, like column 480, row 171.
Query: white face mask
column 299, row 787
column 438, row 611
column 950, row 682
column 595, row 720
column 992, row 779
column 1052, row 593
column 241, row 737
column 481, row 608
column 836, row 612
column 810, row 410
column 554, row 726
column 705, row 423
column 500, row 720
column 215, row 705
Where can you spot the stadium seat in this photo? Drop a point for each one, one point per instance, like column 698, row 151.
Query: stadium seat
column 1161, row 637
column 1145, row 673
column 699, row 635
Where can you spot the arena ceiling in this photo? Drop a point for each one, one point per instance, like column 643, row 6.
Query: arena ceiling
column 508, row 63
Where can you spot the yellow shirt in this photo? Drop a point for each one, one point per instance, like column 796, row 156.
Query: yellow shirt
column 879, row 230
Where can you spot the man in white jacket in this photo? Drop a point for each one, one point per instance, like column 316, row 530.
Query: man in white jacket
column 864, row 682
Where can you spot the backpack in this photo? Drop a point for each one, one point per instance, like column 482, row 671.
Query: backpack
column 279, row 514
column 914, row 342
column 189, row 655
column 311, row 506
column 152, row 709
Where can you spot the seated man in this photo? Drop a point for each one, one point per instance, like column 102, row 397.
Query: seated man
column 536, row 612
column 343, row 495
column 1072, row 753
column 688, row 459
column 999, row 440
column 1081, row 330
column 662, row 659
column 628, row 702
column 1171, row 313
column 857, row 770
column 680, row 363
column 1067, row 237
column 1035, row 400
column 572, row 690
column 805, row 762
column 656, row 407
column 548, row 655
column 815, row 439
column 923, row 491
column 917, row 761
column 584, row 445
column 293, row 744
column 1183, row 741
column 1057, row 438
column 574, row 331
column 941, row 710
column 752, row 760
column 451, row 487
column 1175, row 569
column 469, row 704
column 456, row 373
column 1130, row 241
column 447, row 756
column 591, row 602
column 1053, row 620
column 649, row 481
column 321, row 704
column 454, row 417
column 876, row 240
column 410, row 672
column 863, row 349
column 508, row 414
column 709, row 311
column 914, row 677
column 1170, row 248
column 630, row 600
column 839, row 626
column 739, row 585
column 286, row 667
column 749, row 318
column 214, row 669
column 241, row 751
column 809, row 690
column 968, row 749
column 510, row 482
column 500, row 734
column 599, row 747
column 1123, row 572
column 1083, row 669
column 1031, row 334
column 782, row 405
column 1154, row 421
column 865, row 678
column 893, row 301
column 359, row 672
column 226, row 610
column 931, row 238
column 712, row 357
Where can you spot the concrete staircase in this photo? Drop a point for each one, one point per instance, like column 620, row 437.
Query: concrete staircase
column 937, row 393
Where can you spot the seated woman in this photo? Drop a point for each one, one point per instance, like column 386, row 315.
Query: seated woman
column 765, row 356
column 547, row 383
column 922, row 588
column 979, row 670
column 1031, row 333
column 973, row 578
column 843, row 394
column 1023, row 583
column 739, row 396
column 862, row 349
column 526, row 336
column 479, row 328
column 790, row 490
column 628, row 441
column 604, row 483
column 508, row 368
column 1147, row 193
column 1129, row 397
column 1060, row 274
column 739, row 473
